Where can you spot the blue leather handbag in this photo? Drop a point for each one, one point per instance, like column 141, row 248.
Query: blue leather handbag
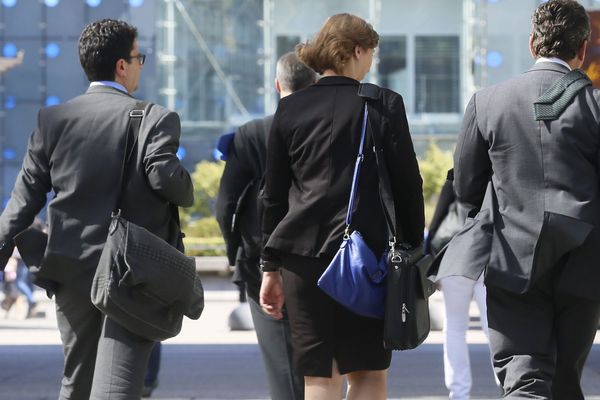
column 355, row 277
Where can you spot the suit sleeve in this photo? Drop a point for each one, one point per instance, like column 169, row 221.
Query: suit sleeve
column 28, row 195
column 405, row 177
column 164, row 171
column 472, row 165
column 278, row 179
column 236, row 177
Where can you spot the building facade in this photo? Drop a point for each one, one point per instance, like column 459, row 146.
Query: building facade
column 213, row 61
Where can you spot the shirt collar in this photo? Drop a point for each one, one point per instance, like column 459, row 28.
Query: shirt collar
column 112, row 84
column 554, row 60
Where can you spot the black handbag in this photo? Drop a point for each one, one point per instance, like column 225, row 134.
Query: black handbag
column 142, row 282
column 406, row 321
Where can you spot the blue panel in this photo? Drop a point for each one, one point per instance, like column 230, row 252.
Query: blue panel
column 52, row 50
column 93, row 3
column 23, row 19
column 9, row 50
column 65, row 77
column 61, row 26
column 10, row 102
column 108, row 9
column 19, row 124
column 494, row 59
column 24, row 80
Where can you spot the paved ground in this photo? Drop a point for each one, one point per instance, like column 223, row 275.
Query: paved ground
column 208, row 361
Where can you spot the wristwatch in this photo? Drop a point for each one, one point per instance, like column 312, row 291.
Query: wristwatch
column 266, row 266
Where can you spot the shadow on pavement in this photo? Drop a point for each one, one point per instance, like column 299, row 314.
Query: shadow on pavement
column 235, row 371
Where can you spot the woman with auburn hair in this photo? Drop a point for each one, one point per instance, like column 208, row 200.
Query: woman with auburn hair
column 312, row 148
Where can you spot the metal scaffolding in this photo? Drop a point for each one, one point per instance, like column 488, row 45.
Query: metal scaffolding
column 474, row 48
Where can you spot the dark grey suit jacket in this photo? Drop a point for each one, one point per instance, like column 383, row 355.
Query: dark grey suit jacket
column 77, row 151
column 542, row 203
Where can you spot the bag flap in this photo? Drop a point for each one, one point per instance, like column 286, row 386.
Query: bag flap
column 164, row 271
column 417, row 257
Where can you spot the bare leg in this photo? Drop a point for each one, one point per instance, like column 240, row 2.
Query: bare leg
column 367, row 385
column 318, row 388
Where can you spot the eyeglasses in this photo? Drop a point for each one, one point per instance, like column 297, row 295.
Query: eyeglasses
column 141, row 58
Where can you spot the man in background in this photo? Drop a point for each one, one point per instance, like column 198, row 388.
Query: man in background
column 238, row 213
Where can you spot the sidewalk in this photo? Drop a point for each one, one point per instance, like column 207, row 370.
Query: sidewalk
column 208, row 361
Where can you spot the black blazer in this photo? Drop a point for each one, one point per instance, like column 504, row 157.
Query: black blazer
column 312, row 148
column 76, row 151
column 242, row 177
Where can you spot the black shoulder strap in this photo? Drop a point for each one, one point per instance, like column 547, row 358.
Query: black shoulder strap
column 370, row 93
column 133, row 130
column 553, row 102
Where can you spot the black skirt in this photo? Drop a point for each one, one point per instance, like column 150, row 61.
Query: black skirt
column 322, row 330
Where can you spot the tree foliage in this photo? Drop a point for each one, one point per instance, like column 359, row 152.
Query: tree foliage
column 206, row 178
column 434, row 167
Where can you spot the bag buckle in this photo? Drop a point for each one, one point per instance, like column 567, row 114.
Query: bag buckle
column 114, row 216
column 392, row 243
column 136, row 113
column 347, row 232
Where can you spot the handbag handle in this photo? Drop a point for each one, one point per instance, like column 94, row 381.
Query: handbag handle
column 133, row 125
column 354, row 188
column 370, row 92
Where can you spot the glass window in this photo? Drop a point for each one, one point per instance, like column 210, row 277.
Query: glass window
column 392, row 70
column 437, row 72
column 286, row 44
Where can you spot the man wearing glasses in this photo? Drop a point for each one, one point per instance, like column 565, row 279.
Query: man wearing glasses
column 77, row 150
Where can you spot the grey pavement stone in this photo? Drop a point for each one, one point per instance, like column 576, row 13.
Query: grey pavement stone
column 209, row 361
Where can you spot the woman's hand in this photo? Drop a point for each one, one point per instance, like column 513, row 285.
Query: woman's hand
column 271, row 294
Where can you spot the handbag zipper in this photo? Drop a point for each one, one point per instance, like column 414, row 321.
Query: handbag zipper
column 404, row 312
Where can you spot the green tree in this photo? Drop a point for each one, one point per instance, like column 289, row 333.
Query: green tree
column 434, row 167
column 206, row 178
column 203, row 236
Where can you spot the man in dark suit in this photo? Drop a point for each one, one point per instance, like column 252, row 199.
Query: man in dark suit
column 238, row 199
column 77, row 151
column 537, row 235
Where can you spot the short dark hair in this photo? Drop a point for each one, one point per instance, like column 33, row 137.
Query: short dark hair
column 334, row 45
column 293, row 74
column 559, row 28
column 101, row 44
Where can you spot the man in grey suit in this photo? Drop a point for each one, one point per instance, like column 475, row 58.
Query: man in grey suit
column 77, row 151
column 537, row 234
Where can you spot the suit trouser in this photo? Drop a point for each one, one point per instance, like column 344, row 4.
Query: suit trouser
column 274, row 340
column 541, row 339
column 103, row 361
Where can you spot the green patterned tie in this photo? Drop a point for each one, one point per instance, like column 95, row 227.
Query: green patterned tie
column 553, row 102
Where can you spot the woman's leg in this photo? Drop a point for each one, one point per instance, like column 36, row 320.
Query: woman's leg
column 479, row 297
column 457, row 291
column 318, row 388
column 367, row 385
column 479, row 294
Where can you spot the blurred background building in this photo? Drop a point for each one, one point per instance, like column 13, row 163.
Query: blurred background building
column 213, row 61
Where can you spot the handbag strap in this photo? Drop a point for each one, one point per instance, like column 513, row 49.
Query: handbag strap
column 370, row 93
column 359, row 160
column 133, row 129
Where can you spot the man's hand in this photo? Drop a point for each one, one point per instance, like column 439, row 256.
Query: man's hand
column 271, row 294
